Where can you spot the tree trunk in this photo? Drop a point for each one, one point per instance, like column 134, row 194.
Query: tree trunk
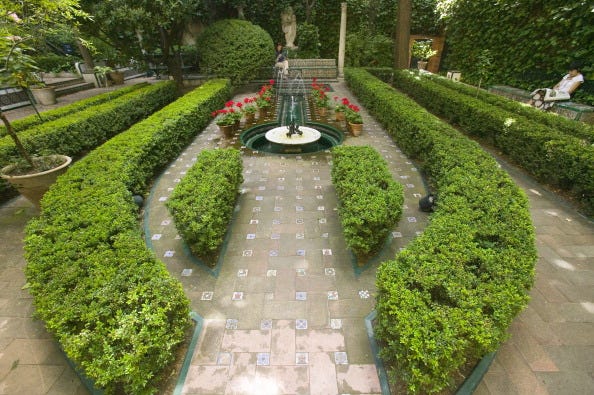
column 86, row 55
column 401, row 58
column 16, row 140
column 172, row 59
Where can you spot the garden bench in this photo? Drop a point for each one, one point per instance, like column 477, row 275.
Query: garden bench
column 568, row 109
column 314, row 68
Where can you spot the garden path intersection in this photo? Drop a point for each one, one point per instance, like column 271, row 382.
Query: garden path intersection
column 284, row 311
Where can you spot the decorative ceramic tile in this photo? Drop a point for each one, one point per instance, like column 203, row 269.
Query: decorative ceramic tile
column 273, row 253
column 261, row 188
column 410, row 185
column 316, row 170
column 364, row 294
column 335, row 323
column 325, row 235
column 301, row 358
column 404, row 177
column 156, row 236
column 321, row 208
column 169, row 189
column 299, row 197
column 322, row 220
column 177, row 180
column 237, row 296
column 268, row 296
column 231, row 323
column 300, row 236
column 301, row 324
column 316, row 178
column 186, row 272
column 299, row 221
column 300, row 272
column 224, row 358
column 330, row 271
column 165, row 222
column 254, row 221
column 242, row 273
column 419, row 232
column 263, row 359
column 177, row 237
column 163, row 198
column 275, row 236
column 278, row 208
column 340, row 358
column 169, row 254
column 396, row 235
column 300, row 295
column 326, row 251
column 416, row 195
column 411, row 219
column 332, row 295
column 248, row 252
column 276, row 222
column 271, row 273
column 319, row 197
column 300, row 252
column 318, row 187
column 298, row 208
column 299, row 187
column 265, row 325
column 281, row 179
column 256, row 209
column 259, row 197
column 280, row 187
column 250, row 236
column 207, row 295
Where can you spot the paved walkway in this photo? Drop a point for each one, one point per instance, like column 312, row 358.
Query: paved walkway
column 285, row 313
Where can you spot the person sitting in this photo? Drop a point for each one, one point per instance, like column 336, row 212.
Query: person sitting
column 281, row 60
column 544, row 98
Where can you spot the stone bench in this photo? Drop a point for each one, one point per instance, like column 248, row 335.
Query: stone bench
column 568, row 109
column 314, row 68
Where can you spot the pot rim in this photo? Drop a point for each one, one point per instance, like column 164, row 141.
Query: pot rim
column 6, row 169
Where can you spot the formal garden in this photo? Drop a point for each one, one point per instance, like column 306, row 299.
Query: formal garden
column 443, row 303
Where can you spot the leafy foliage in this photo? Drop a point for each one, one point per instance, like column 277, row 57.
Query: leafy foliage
column 370, row 200
column 202, row 203
column 450, row 296
column 114, row 308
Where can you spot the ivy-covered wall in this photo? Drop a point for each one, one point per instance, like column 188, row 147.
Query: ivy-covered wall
column 530, row 42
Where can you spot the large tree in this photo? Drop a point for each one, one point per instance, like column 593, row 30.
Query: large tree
column 139, row 27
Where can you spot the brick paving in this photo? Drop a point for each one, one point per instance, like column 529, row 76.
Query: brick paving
column 284, row 313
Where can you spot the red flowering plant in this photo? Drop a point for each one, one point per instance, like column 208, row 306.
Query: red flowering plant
column 341, row 105
column 229, row 115
column 352, row 114
column 264, row 98
column 319, row 95
column 249, row 105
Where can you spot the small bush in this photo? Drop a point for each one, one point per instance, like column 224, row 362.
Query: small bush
column 202, row 203
column 235, row 49
column 370, row 200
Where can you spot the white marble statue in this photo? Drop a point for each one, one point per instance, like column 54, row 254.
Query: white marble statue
column 289, row 23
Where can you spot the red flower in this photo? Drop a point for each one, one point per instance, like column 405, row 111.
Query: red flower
column 239, row 104
column 229, row 103
column 345, row 101
column 214, row 113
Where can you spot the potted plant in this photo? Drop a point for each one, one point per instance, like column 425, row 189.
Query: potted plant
column 226, row 118
column 249, row 109
column 340, row 107
column 354, row 119
column 320, row 98
column 31, row 176
column 264, row 99
column 101, row 73
column 422, row 51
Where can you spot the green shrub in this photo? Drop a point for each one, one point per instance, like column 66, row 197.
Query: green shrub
column 202, row 203
column 370, row 200
column 32, row 120
column 55, row 63
column 550, row 155
column 235, row 49
column 77, row 133
column 308, row 41
column 113, row 307
column 449, row 297
column 369, row 50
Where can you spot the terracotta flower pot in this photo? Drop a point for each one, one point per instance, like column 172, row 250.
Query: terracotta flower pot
column 322, row 111
column 356, row 128
column 340, row 116
column 227, row 130
column 262, row 112
column 250, row 117
column 34, row 186
column 44, row 96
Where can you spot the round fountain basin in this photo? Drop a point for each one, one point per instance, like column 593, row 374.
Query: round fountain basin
column 278, row 135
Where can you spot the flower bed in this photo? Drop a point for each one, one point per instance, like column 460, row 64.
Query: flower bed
column 202, row 203
column 450, row 296
column 79, row 132
column 370, row 200
column 551, row 156
column 32, row 120
column 112, row 306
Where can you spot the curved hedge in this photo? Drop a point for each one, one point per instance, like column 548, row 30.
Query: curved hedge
column 32, row 120
column 551, row 156
column 450, row 296
column 202, row 203
column 370, row 200
column 235, row 49
column 79, row 132
column 109, row 302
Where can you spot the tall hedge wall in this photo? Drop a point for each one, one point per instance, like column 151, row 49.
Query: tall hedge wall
column 450, row 296
column 112, row 306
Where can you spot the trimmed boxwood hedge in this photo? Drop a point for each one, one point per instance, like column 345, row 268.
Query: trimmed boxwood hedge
column 551, row 156
column 32, row 120
column 112, row 306
column 370, row 200
column 202, row 203
column 79, row 132
column 450, row 296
